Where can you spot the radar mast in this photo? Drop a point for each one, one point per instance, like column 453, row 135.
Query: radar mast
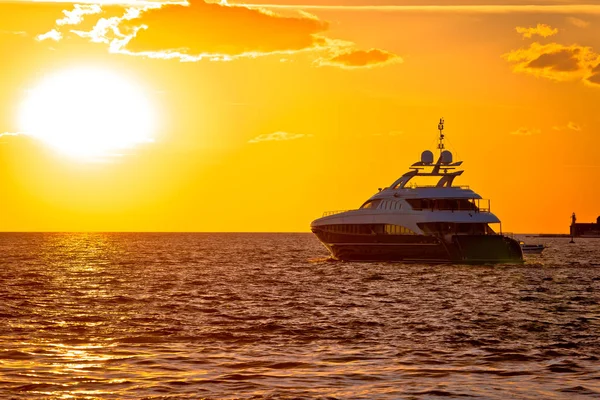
column 441, row 129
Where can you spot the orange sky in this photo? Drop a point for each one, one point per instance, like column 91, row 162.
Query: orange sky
column 266, row 117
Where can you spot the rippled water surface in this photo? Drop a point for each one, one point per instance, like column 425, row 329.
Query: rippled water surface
column 165, row 316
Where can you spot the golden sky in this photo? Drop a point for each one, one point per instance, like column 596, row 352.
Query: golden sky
column 216, row 116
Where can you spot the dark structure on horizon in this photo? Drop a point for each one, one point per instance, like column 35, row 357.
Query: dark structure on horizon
column 585, row 230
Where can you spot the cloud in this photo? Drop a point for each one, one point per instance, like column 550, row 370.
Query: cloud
column 556, row 62
column 525, row 132
column 219, row 29
column 75, row 16
column 107, row 30
column 278, row 136
column 571, row 126
column 201, row 30
column 17, row 33
column 564, row 60
column 594, row 77
column 52, row 35
column 540, row 30
column 100, row 30
column 361, row 59
column 46, row 20
column 578, row 22
column 574, row 127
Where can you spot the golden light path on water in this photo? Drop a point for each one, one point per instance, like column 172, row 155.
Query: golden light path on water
column 260, row 316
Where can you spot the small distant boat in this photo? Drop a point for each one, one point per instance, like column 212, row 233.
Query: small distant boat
column 532, row 248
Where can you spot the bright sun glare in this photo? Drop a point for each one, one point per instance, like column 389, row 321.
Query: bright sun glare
column 87, row 113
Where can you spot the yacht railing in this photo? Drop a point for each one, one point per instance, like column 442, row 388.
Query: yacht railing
column 458, row 208
column 328, row 213
column 415, row 186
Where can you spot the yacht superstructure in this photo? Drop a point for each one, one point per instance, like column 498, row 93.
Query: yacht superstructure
column 408, row 222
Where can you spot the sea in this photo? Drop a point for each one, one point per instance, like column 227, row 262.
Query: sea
column 271, row 316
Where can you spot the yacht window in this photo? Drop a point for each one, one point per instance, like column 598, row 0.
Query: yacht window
column 383, row 205
column 398, row 230
column 443, row 204
column 442, row 228
column 371, row 204
column 368, row 229
column 378, row 229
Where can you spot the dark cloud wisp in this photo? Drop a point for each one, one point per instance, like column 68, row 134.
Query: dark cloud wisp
column 564, row 60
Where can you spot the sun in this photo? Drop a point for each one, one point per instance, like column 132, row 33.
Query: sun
column 88, row 113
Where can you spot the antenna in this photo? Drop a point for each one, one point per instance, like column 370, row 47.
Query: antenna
column 441, row 129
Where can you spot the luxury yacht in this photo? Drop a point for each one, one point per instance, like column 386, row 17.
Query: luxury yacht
column 438, row 223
